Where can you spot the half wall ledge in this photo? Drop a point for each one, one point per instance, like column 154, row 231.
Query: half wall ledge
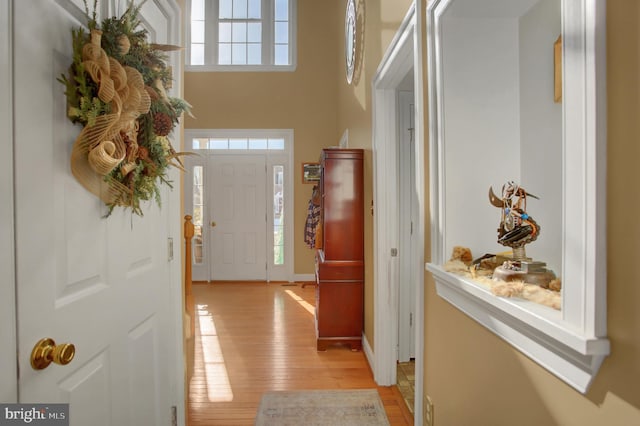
column 535, row 330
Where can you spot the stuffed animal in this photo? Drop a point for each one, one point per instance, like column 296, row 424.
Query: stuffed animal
column 462, row 254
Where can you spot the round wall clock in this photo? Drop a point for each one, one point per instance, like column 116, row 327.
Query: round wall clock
column 350, row 39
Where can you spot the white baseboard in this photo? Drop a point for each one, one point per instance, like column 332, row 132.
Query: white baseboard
column 304, row 278
column 368, row 352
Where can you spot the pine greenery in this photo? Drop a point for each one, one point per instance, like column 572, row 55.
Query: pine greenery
column 154, row 152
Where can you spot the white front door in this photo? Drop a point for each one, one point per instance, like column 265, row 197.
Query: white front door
column 106, row 285
column 238, row 211
column 241, row 180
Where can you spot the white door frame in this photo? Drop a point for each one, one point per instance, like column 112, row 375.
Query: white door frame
column 404, row 53
column 8, row 369
column 172, row 202
column 175, row 225
column 272, row 158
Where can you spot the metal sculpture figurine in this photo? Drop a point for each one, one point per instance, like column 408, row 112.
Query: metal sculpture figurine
column 516, row 229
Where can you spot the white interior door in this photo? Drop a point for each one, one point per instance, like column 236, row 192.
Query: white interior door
column 102, row 284
column 407, row 218
column 238, row 218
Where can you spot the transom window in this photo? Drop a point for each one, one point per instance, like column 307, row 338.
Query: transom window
column 238, row 143
column 236, row 35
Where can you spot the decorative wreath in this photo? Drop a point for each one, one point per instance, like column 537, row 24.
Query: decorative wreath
column 116, row 89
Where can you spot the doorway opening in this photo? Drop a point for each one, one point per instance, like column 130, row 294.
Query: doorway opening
column 407, row 218
column 238, row 189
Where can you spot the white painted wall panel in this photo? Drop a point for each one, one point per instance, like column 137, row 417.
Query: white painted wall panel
column 541, row 129
column 481, row 112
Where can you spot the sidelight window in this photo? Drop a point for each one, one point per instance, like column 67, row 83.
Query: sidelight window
column 278, row 215
column 198, row 214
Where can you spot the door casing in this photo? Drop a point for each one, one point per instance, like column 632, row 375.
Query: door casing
column 274, row 272
column 404, row 53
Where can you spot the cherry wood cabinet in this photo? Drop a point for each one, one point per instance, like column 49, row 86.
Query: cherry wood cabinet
column 340, row 256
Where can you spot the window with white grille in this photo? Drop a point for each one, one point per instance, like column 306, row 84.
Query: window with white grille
column 237, row 35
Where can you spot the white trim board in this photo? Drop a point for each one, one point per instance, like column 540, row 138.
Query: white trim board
column 403, row 54
column 174, row 204
column 304, row 278
column 368, row 352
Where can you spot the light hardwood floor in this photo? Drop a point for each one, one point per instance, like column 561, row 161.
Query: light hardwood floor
column 256, row 337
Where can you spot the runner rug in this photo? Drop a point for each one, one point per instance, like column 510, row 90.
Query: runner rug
column 322, row 407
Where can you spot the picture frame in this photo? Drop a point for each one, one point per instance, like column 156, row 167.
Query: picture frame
column 311, row 172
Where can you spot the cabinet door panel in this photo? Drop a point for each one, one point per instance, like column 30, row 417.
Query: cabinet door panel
column 340, row 312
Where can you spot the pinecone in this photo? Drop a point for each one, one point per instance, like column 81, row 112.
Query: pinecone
column 143, row 153
column 125, row 138
column 162, row 124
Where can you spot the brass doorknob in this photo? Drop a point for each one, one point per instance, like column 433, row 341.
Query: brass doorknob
column 46, row 351
column 213, row 224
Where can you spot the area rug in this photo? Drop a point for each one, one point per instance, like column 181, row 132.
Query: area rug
column 322, row 407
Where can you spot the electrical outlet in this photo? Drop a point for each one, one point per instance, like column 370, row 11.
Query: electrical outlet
column 428, row 411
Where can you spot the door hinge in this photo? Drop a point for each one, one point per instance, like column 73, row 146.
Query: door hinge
column 394, row 252
column 410, row 319
column 174, row 415
column 170, row 246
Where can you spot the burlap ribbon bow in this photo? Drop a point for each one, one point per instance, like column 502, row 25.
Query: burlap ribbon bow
column 101, row 147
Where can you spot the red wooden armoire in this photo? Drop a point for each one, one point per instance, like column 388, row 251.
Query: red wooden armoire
column 340, row 255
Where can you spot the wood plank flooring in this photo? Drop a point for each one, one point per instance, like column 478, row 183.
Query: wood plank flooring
column 256, row 337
